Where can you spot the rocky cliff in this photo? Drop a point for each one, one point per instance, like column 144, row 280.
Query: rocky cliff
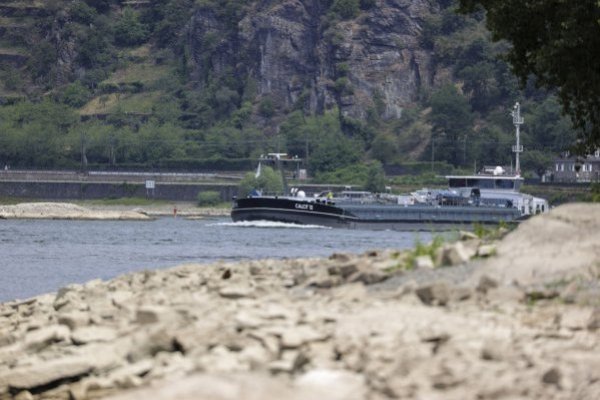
column 300, row 58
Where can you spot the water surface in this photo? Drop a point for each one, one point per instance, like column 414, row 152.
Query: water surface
column 40, row 256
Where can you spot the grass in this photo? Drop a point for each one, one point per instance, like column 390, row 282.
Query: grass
column 108, row 103
column 139, row 72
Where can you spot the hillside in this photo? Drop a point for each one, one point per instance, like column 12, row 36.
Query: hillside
column 212, row 84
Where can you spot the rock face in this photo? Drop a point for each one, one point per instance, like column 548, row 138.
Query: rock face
column 346, row 327
column 296, row 59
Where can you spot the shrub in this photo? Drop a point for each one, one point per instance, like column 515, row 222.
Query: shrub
column 208, row 198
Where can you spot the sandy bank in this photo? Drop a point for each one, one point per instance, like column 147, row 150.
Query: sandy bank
column 347, row 327
column 53, row 210
column 66, row 211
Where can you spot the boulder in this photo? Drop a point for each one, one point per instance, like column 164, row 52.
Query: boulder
column 90, row 334
column 41, row 338
column 423, row 262
column 44, row 373
column 437, row 293
column 454, row 254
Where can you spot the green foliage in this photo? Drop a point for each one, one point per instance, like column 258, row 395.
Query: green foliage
column 452, row 120
column 75, row 95
column 421, row 249
column 208, row 198
column 269, row 181
column 558, row 43
column 384, row 147
column 267, row 107
column 129, row 31
column 346, row 8
column 375, row 178
column 356, row 174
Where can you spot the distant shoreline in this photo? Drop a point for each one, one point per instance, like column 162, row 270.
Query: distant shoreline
column 87, row 211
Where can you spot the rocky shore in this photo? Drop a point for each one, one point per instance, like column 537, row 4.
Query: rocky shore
column 69, row 211
column 517, row 318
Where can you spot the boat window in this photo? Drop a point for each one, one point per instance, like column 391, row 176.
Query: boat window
column 504, row 184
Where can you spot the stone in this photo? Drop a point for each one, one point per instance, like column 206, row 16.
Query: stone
column 552, row 376
column 466, row 235
column 297, row 336
column 332, row 384
column 344, row 270
column 24, row 395
column 454, row 254
column 44, row 337
column 436, row 293
column 594, row 320
column 368, row 276
column 74, row 319
column 505, row 295
column 245, row 320
column 486, row 283
column 486, row 250
column 290, row 361
column 154, row 314
column 90, row 334
column 33, row 376
column 423, row 262
column 234, row 292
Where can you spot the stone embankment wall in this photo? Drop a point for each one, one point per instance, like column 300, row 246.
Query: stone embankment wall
column 99, row 190
column 518, row 319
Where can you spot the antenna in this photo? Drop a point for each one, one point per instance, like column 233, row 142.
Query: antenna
column 518, row 148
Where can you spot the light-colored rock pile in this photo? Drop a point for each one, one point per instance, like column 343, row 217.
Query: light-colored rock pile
column 65, row 211
column 346, row 327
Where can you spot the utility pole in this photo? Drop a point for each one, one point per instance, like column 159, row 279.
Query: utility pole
column 432, row 151
column 518, row 148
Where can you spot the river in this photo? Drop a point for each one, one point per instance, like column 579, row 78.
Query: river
column 40, row 256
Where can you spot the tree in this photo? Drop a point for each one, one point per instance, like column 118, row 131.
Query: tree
column 451, row 117
column 346, row 8
column 129, row 31
column 375, row 178
column 269, row 181
column 559, row 43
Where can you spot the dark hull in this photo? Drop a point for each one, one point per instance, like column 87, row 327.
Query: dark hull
column 369, row 216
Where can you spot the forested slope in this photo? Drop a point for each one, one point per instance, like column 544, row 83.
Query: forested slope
column 213, row 84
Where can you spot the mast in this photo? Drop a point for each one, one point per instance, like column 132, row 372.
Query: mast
column 518, row 148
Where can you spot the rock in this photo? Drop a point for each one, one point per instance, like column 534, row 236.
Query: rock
column 297, row 336
column 486, row 283
column 290, row 361
column 33, row 376
column 74, row 319
column 436, row 293
column 486, row 250
column 505, row 295
column 89, row 334
column 454, row 254
column 154, row 314
column 423, row 262
column 332, row 384
column 24, row 395
column 594, row 321
column 368, row 276
column 245, row 320
column 344, row 270
column 236, row 292
column 41, row 338
column 466, row 235
column 552, row 376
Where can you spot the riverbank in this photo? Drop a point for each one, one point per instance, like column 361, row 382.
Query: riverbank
column 98, row 211
column 517, row 318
